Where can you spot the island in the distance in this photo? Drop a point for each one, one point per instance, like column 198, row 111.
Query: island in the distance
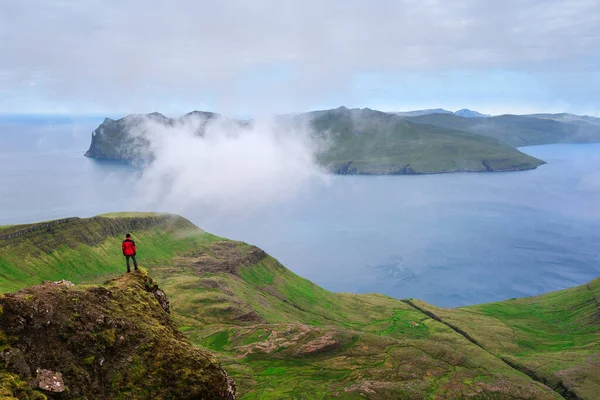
column 370, row 142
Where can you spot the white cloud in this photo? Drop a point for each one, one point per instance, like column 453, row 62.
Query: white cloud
column 231, row 168
column 122, row 53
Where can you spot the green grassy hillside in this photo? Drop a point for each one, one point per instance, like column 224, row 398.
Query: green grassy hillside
column 555, row 336
column 521, row 130
column 372, row 142
column 85, row 250
column 281, row 336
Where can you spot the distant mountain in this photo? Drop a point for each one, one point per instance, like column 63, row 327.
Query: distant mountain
column 365, row 141
column 361, row 141
column 417, row 113
column 466, row 113
column 114, row 140
column 521, row 130
column 566, row 117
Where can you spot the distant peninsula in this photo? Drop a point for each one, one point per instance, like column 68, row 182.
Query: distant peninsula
column 371, row 142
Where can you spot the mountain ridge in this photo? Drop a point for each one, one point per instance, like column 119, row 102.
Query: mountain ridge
column 279, row 335
column 359, row 142
column 522, row 130
column 370, row 142
column 465, row 112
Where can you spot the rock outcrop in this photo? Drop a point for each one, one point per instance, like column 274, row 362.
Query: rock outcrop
column 101, row 342
column 128, row 138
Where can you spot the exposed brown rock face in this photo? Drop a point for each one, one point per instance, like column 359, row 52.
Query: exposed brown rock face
column 48, row 381
column 225, row 256
column 319, row 345
column 101, row 342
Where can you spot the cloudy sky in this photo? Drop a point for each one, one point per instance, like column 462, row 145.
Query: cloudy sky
column 261, row 56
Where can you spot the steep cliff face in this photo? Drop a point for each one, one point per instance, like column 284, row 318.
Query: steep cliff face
column 101, row 342
column 126, row 138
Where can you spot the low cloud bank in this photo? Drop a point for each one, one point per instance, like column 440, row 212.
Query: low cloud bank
column 225, row 165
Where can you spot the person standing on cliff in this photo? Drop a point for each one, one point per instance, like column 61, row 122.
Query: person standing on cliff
column 129, row 251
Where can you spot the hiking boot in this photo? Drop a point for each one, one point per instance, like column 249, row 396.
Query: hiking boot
column 128, row 270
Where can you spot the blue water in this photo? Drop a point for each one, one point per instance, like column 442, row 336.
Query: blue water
column 452, row 239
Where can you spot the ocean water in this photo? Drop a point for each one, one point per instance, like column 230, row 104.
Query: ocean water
column 451, row 240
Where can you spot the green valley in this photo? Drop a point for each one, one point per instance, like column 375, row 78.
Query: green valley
column 281, row 336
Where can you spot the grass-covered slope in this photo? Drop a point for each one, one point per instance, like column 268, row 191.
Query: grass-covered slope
column 281, row 336
column 566, row 117
column 521, row 130
column 555, row 337
column 86, row 250
column 364, row 141
column 112, row 341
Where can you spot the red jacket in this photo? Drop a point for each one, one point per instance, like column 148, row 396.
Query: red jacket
column 128, row 247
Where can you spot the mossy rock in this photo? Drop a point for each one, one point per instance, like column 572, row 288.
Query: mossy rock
column 108, row 341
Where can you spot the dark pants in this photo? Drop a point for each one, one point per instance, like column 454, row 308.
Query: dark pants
column 134, row 262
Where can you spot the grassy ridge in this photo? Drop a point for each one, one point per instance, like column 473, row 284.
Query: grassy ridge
column 372, row 142
column 556, row 335
column 281, row 336
column 89, row 250
column 521, row 130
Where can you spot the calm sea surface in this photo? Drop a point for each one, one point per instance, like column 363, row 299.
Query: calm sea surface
column 451, row 239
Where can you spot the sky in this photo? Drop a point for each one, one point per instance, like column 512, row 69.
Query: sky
column 247, row 58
